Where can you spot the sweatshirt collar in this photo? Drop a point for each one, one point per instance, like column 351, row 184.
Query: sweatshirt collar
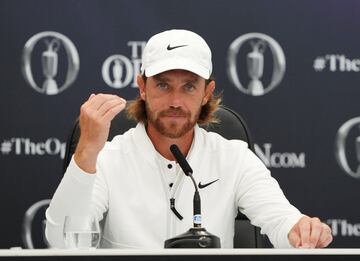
column 146, row 147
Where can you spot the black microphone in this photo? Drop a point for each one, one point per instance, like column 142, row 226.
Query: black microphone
column 196, row 237
column 181, row 160
column 188, row 172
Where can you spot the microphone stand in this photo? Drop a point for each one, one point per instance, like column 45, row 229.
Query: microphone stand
column 197, row 236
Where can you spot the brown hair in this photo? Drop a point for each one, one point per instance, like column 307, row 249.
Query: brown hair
column 136, row 109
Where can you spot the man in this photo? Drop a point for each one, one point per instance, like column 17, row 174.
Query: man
column 133, row 178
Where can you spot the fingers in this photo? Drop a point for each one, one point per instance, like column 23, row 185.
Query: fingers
column 98, row 105
column 325, row 236
column 316, row 229
column 294, row 239
column 113, row 111
column 109, row 104
column 91, row 95
column 310, row 233
column 305, row 229
column 96, row 101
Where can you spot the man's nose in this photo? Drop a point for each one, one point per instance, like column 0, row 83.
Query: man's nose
column 175, row 99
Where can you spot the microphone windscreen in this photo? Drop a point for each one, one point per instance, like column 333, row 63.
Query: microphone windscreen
column 181, row 159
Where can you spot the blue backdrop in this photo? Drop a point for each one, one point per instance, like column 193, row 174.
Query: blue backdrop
column 301, row 105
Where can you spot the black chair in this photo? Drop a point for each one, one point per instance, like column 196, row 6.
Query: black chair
column 231, row 126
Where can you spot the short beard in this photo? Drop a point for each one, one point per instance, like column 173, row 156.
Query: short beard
column 173, row 131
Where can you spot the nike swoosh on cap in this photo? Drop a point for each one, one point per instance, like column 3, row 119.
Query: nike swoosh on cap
column 206, row 184
column 174, row 47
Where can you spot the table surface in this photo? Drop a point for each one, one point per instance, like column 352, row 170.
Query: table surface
column 180, row 252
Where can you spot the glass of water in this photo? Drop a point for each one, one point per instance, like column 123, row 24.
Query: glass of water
column 81, row 232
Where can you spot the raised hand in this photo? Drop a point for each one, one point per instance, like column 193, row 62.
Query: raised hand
column 96, row 115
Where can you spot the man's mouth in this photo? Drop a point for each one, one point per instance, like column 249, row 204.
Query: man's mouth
column 174, row 115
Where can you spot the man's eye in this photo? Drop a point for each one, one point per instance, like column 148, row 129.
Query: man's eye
column 189, row 87
column 162, row 86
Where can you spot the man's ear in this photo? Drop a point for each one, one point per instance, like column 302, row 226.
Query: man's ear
column 141, row 83
column 209, row 90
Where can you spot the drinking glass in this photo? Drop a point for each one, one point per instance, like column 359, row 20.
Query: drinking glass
column 81, row 232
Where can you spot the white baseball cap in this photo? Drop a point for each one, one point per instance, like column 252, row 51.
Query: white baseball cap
column 176, row 49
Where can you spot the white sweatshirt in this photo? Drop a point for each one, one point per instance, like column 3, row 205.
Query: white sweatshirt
column 131, row 186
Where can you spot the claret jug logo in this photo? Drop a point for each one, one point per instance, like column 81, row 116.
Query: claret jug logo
column 347, row 147
column 46, row 79
column 255, row 65
column 119, row 71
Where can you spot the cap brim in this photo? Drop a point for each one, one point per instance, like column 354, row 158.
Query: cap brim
column 177, row 64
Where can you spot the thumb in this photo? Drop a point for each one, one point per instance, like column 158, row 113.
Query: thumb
column 92, row 95
column 294, row 239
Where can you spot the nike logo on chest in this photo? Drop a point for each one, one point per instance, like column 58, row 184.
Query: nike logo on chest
column 201, row 186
